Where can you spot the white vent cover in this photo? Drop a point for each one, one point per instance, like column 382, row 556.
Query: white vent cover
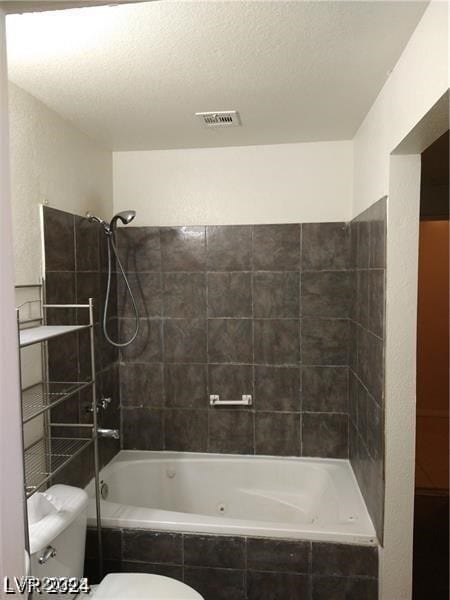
column 221, row 118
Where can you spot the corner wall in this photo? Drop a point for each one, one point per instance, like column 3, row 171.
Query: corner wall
column 11, row 475
column 416, row 86
column 52, row 162
column 418, row 80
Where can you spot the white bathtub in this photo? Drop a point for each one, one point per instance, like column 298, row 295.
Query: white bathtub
column 299, row 498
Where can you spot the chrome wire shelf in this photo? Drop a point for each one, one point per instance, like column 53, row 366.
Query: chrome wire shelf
column 43, row 333
column 46, row 457
column 43, row 396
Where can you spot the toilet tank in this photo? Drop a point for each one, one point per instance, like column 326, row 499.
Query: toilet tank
column 57, row 519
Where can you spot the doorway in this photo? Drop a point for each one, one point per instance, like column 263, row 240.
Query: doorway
column 431, row 506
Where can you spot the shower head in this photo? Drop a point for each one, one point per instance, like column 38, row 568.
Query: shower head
column 125, row 216
column 94, row 219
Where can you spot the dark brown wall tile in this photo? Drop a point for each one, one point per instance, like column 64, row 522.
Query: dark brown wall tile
column 277, row 586
column 277, row 341
column 276, row 294
column 184, row 295
column 345, row 560
column 375, row 429
column 229, row 295
column 60, row 289
column 277, row 433
column 230, row 341
column 325, row 246
column 113, row 309
column 172, row 571
column 362, row 251
column 277, row 388
column 142, row 385
column 63, row 358
column 142, row 429
column 139, row 248
column 186, row 386
column 186, row 430
column 185, row 340
column 183, row 248
column 146, row 289
column 226, row 552
column 377, row 252
column 231, row 431
column 344, row 588
column 325, row 435
column 362, row 298
column 216, row 584
column 325, row 389
column 353, row 345
column 324, row 341
column 327, row 293
column 276, row 247
column 376, row 302
column 87, row 237
column 111, row 540
column 59, row 240
column 265, row 554
column 371, row 363
column 229, row 248
column 106, row 354
column 150, row 546
column 147, row 346
column 88, row 286
column 353, row 384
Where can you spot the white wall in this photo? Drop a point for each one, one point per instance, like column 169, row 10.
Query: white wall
column 11, row 477
column 400, row 415
column 54, row 162
column 281, row 183
column 418, row 80
column 401, row 112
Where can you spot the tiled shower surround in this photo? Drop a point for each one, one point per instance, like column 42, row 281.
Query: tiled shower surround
column 366, row 373
column 75, row 271
column 291, row 314
column 261, row 310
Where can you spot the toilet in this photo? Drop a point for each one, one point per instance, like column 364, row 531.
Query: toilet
column 57, row 523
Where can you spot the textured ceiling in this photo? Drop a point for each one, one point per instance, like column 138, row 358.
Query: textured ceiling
column 132, row 76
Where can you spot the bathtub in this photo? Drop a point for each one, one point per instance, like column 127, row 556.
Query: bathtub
column 297, row 498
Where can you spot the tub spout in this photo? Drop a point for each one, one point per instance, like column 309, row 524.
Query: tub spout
column 108, row 433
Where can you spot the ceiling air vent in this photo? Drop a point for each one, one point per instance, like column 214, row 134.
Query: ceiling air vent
column 221, row 118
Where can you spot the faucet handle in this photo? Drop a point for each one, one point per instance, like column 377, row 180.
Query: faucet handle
column 101, row 404
column 105, row 402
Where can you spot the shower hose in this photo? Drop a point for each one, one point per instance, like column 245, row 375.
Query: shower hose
column 112, row 250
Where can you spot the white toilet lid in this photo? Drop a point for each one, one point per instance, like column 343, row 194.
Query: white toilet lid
column 143, row 586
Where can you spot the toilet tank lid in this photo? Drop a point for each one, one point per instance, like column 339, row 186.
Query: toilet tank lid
column 65, row 502
column 143, row 586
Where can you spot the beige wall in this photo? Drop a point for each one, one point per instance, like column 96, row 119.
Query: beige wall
column 11, row 477
column 281, row 183
column 52, row 162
